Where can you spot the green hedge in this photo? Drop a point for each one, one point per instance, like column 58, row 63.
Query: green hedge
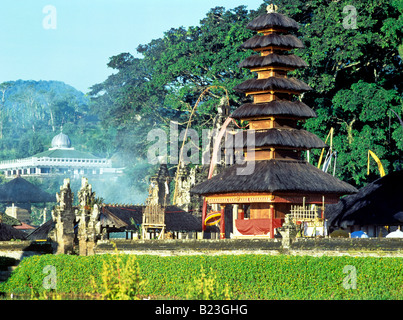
column 245, row 276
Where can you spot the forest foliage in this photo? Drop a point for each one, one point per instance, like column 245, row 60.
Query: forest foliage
column 33, row 112
column 356, row 74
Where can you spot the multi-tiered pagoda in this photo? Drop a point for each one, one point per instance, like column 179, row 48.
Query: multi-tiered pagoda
column 280, row 180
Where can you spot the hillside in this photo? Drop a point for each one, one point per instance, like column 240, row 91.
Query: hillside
column 32, row 112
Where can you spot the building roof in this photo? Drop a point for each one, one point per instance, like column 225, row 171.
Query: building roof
column 61, row 148
column 61, row 141
column 8, row 233
column 272, row 84
column 284, row 108
column 65, row 153
column 42, row 232
column 24, row 226
column 272, row 20
column 129, row 217
column 271, row 176
column 378, row 203
column 281, row 137
column 20, row 190
column 288, row 41
column 273, row 59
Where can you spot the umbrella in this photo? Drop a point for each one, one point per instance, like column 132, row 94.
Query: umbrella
column 395, row 234
column 359, row 234
column 20, row 190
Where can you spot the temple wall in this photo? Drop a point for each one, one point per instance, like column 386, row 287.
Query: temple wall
column 22, row 249
column 315, row 247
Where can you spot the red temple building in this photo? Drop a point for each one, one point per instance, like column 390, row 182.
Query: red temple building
column 282, row 182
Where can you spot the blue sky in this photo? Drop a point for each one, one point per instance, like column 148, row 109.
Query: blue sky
column 87, row 33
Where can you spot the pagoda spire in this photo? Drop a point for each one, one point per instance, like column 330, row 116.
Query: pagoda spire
column 282, row 182
column 275, row 110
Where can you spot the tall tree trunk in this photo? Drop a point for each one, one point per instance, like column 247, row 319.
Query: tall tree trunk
column 52, row 121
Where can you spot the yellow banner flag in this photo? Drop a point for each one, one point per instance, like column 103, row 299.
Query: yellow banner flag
column 380, row 167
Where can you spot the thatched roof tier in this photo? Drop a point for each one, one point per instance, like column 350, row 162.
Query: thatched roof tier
column 273, row 60
column 8, row 233
column 286, row 138
column 20, row 190
column 287, row 41
column 279, row 108
column 271, row 176
column 272, row 84
column 130, row 217
column 378, row 203
column 272, row 20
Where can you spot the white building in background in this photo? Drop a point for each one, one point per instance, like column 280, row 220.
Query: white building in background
column 61, row 159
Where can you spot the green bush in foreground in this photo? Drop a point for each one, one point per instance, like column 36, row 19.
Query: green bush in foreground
column 213, row 277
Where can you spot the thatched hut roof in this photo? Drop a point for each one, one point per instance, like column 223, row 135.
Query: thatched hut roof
column 8, row 233
column 288, row 41
column 20, row 190
column 42, row 232
column 178, row 220
column 378, row 203
column 288, row 138
column 273, row 59
column 283, row 108
column 272, row 20
column 272, row 83
column 274, row 176
column 128, row 217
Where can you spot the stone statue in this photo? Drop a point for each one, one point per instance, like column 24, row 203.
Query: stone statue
column 288, row 232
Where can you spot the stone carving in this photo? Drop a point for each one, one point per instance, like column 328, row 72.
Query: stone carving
column 186, row 180
column 64, row 218
column 88, row 215
column 159, row 187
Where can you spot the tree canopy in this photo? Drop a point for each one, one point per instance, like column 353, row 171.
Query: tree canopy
column 356, row 74
column 33, row 112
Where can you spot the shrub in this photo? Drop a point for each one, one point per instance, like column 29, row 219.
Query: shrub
column 212, row 277
column 206, row 287
column 121, row 278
